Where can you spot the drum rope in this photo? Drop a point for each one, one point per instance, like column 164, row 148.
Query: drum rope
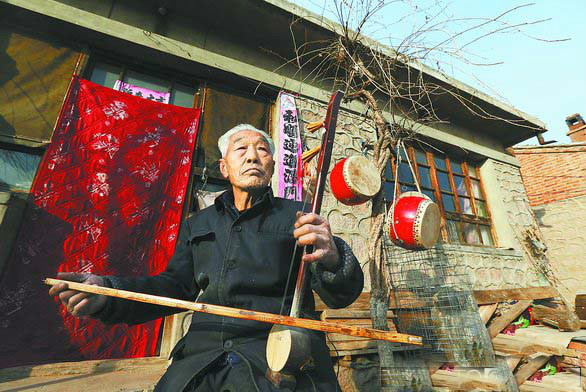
column 400, row 145
column 410, row 166
column 396, row 189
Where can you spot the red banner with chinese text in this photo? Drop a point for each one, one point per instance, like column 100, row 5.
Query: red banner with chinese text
column 107, row 199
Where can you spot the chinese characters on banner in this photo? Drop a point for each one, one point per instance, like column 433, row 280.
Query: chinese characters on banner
column 142, row 92
column 289, row 149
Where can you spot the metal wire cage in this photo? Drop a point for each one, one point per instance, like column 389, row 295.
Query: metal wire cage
column 433, row 299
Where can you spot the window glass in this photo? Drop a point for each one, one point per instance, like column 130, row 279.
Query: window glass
column 405, row 174
column 448, row 202
column 444, row 181
column 389, row 174
column 453, row 230
column 470, row 233
column 388, row 191
column 440, row 163
column 17, row 170
column 403, row 155
column 105, row 74
column 408, row 188
column 425, row 177
column 486, row 235
column 461, row 185
column 420, row 157
column 465, row 205
column 481, row 206
column 35, row 72
column 147, row 81
column 476, row 188
column 456, row 167
column 431, row 194
column 182, row 96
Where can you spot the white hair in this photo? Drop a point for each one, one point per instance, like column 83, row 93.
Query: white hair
column 224, row 140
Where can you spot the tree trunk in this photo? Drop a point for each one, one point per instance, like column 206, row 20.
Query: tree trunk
column 379, row 292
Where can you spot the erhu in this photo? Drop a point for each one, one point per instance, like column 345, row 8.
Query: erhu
column 288, row 349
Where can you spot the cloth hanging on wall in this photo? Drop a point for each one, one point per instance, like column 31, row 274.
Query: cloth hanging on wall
column 142, row 92
column 289, row 156
column 107, row 199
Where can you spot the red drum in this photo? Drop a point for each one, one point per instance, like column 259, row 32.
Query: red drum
column 354, row 180
column 415, row 221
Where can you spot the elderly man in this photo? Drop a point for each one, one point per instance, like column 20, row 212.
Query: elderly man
column 236, row 253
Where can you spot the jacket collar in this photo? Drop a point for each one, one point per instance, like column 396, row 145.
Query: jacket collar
column 226, row 200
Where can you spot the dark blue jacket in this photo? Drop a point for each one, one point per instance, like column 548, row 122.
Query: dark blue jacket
column 240, row 260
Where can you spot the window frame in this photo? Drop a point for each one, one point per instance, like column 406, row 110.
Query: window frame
column 468, row 176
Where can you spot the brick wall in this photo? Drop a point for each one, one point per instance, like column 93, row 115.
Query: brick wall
column 553, row 173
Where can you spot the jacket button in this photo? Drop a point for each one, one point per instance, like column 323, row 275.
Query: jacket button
column 238, row 228
column 228, row 344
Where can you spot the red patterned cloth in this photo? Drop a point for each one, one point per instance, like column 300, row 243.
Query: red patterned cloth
column 107, row 199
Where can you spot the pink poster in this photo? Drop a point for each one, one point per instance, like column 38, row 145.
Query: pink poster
column 289, row 149
column 142, row 92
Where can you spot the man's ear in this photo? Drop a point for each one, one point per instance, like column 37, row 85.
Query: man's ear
column 223, row 168
column 273, row 168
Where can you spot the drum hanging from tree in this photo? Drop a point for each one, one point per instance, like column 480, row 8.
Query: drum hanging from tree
column 354, row 180
column 414, row 221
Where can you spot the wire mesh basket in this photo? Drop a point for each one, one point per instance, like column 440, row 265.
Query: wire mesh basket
column 434, row 299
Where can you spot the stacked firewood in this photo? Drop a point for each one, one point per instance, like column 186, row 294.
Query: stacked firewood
column 537, row 337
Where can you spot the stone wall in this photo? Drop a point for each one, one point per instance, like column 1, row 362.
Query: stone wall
column 486, row 267
column 563, row 225
column 348, row 222
column 509, row 206
column 493, row 268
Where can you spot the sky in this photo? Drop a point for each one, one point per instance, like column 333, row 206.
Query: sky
column 544, row 79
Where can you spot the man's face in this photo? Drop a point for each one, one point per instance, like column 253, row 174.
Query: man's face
column 248, row 163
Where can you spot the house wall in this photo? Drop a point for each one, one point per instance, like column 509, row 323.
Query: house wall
column 555, row 179
column 348, row 222
column 188, row 39
column 563, row 224
column 485, row 267
column 184, row 37
column 552, row 173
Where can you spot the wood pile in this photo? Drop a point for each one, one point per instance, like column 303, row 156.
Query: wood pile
column 342, row 345
column 556, row 339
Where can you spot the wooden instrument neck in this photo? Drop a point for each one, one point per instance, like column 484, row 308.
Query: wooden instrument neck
column 323, row 168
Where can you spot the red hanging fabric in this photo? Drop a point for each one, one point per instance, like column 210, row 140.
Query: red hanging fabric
column 107, row 199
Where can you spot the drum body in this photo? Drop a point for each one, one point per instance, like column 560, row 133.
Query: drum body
column 354, row 180
column 414, row 221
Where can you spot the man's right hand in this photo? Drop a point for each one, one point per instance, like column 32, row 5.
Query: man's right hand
column 78, row 303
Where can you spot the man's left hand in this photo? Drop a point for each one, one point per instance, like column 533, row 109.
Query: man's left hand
column 312, row 229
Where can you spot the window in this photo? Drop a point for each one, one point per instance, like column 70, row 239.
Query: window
column 454, row 185
column 175, row 92
column 35, row 71
column 17, row 170
column 224, row 109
